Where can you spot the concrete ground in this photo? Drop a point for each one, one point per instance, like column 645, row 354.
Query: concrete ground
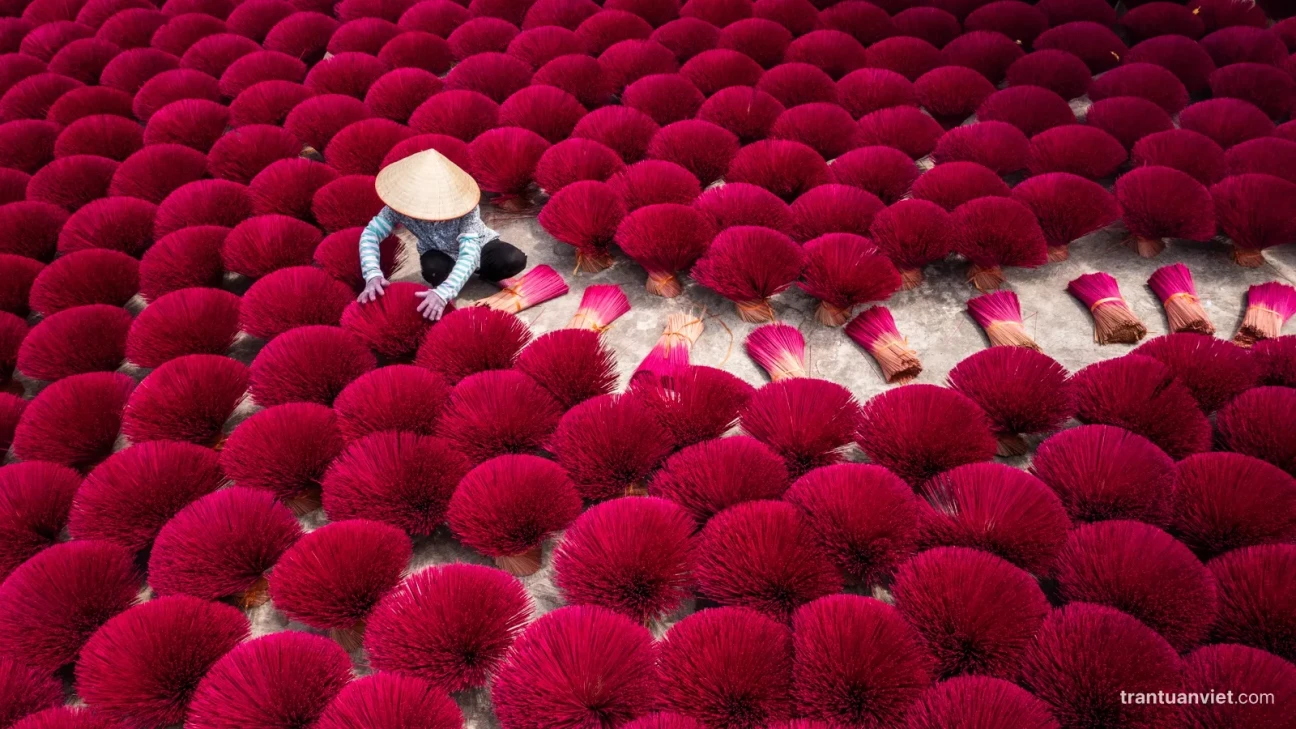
column 932, row 316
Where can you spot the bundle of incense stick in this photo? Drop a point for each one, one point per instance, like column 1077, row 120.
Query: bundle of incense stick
column 255, row 596
column 1269, row 306
column 874, row 329
column 1174, row 286
column 779, row 349
column 600, row 306
column 671, row 353
column 1114, row 321
column 999, row 315
column 536, row 286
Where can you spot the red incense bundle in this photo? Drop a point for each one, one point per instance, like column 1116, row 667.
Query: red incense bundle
column 842, row 270
column 529, row 289
column 913, row 233
column 221, row 546
column 748, row 265
column 1276, row 359
column 1254, row 609
column 576, row 666
column 392, row 697
column 875, row 330
column 695, row 404
column 931, row 24
column 1214, row 372
column 1174, row 286
column 665, row 239
column 609, row 445
column 630, row 555
column 1173, row 592
column 727, row 667
column 779, row 349
column 1206, row 665
column 999, row 314
column 600, row 305
column 142, row 667
column 953, row 597
column 450, row 625
column 1255, row 211
column 575, row 160
column 994, row 232
column 585, row 215
column 573, row 365
column 1269, row 306
column 508, row 505
column 1021, row 391
column 52, row 603
column 981, row 698
column 392, row 326
column 1083, row 643
column 1114, row 321
column 418, row 475
column 762, row 555
column 332, row 578
column 671, row 354
column 1158, row 203
column 1068, row 207
column 252, row 681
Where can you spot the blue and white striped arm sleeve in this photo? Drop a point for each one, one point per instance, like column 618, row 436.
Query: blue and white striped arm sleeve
column 469, row 257
column 371, row 239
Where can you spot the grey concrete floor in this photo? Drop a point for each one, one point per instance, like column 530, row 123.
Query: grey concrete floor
column 932, row 316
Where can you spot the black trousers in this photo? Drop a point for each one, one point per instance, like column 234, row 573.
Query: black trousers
column 499, row 260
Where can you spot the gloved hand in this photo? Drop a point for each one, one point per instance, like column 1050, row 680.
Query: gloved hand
column 432, row 305
column 373, row 289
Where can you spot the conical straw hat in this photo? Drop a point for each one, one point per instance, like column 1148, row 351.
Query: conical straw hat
column 427, row 186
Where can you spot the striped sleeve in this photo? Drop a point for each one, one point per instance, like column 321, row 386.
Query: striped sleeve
column 374, row 234
column 469, row 257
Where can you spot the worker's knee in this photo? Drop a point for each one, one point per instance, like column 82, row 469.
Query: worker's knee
column 501, row 260
column 436, row 267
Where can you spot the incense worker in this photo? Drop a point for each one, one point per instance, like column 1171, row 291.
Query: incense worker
column 437, row 202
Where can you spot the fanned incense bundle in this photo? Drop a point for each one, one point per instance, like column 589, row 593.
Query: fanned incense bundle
column 875, row 330
column 779, row 349
column 529, row 289
column 1174, row 286
column 600, row 305
column 671, row 354
column 1269, row 306
column 1114, row 321
column 999, row 314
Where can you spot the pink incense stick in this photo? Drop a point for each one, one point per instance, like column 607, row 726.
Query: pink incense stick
column 1174, row 286
column 534, row 287
column 1269, row 306
column 600, row 305
column 779, row 349
column 1114, row 321
column 999, row 315
column 874, row 329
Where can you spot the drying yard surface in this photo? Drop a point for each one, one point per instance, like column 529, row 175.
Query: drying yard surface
column 233, row 497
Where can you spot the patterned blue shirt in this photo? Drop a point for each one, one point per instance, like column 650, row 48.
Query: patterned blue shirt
column 461, row 239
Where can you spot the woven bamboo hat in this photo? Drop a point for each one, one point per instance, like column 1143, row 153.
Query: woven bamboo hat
column 427, row 186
